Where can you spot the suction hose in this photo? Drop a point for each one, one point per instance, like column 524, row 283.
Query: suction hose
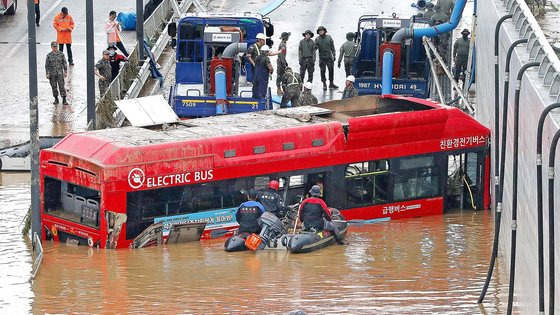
column 387, row 79
column 551, row 249
column 515, row 172
column 407, row 32
column 500, row 185
column 220, row 78
column 540, row 205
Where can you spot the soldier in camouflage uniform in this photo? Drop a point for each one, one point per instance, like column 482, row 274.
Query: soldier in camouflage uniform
column 281, row 62
column 306, row 98
column 348, row 50
column 291, row 83
column 306, row 55
column 55, row 68
column 103, row 72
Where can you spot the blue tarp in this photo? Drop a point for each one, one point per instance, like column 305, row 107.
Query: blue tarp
column 127, row 20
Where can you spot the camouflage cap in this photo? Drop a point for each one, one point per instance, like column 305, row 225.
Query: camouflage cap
column 53, row 44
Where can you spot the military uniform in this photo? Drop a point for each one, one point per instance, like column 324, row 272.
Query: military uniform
column 349, row 92
column 55, row 67
column 291, row 83
column 306, row 54
column 461, row 55
column 104, row 68
column 446, row 6
column 261, row 75
column 439, row 16
column 281, row 63
column 306, row 98
column 327, row 55
column 348, row 50
column 428, row 14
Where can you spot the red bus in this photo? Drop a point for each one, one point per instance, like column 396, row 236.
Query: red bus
column 388, row 157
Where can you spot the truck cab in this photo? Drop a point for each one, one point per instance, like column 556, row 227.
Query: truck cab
column 202, row 39
column 411, row 71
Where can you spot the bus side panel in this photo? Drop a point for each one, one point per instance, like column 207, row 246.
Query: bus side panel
column 397, row 210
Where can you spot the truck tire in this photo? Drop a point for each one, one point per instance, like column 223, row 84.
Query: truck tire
column 12, row 9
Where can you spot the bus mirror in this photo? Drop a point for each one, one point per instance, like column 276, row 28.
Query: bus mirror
column 172, row 29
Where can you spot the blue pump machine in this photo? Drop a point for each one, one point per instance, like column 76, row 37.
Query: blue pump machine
column 210, row 79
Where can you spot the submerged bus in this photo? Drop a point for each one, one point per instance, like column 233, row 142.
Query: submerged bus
column 387, row 157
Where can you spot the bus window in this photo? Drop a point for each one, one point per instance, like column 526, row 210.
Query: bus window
column 71, row 202
column 415, row 178
column 146, row 205
column 367, row 183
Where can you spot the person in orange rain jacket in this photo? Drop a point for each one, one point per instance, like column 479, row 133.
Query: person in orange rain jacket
column 64, row 24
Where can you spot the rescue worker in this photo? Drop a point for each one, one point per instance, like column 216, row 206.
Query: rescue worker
column 271, row 200
column 113, row 30
column 306, row 97
column 248, row 214
column 281, row 62
column 103, row 72
column 429, row 11
column 263, row 70
column 461, row 53
column 306, row 55
column 315, row 215
column 439, row 15
column 64, row 24
column 255, row 50
column 56, row 70
column 37, row 12
column 291, row 84
column 349, row 89
column 348, row 51
column 115, row 61
column 446, row 6
column 327, row 56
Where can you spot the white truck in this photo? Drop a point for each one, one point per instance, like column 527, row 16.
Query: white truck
column 8, row 7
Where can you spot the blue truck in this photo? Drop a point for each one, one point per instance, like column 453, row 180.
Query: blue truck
column 212, row 75
column 411, row 69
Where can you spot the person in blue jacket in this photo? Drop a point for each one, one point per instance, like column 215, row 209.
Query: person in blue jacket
column 249, row 213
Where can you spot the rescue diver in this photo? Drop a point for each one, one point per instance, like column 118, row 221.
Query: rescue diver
column 249, row 213
column 271, row 200
column 315, row 215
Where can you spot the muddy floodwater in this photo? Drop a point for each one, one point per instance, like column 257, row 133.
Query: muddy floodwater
column 425, row 265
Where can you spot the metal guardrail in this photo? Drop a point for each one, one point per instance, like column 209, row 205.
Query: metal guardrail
column 152, row 29
column 38, row 251
column 538, row 46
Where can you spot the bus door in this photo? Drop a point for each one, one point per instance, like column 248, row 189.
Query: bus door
column 465, row 180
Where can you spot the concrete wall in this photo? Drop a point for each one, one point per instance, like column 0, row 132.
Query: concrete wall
column 534, row 98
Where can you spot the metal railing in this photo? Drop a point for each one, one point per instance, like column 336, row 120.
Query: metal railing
column 155, row 29
column 38, row 252
column 538, row 46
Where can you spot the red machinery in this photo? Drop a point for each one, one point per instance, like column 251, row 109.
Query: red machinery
column 227, row 65
column 396, row 49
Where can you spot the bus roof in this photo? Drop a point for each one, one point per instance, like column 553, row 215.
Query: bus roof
column 361, row 122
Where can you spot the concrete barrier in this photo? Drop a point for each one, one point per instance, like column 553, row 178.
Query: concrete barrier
column 540, row 87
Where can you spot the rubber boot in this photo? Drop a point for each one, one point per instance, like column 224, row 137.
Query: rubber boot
column 55, row 100
column 279, row 91
column 324, row 85
column 64, row 102
column 333, row 86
